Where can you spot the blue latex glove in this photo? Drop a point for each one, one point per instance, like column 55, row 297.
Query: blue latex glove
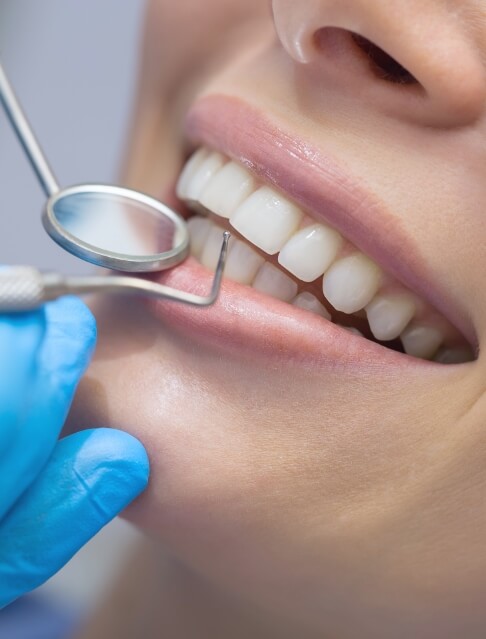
column 54, row 494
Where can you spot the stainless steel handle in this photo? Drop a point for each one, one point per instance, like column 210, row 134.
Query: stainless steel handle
column 22, row 288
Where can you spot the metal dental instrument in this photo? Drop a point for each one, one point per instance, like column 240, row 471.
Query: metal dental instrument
column 110, row 226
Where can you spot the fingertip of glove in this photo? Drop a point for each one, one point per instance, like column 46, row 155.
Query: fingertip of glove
column 90, row 477
column 113, row 466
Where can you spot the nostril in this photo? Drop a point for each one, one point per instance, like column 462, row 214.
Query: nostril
column 383, row 65
column 342, row 42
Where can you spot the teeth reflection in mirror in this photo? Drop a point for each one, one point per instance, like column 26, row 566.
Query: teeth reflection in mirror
column 388, row 315
column 351, row 283
column 351, row 329
column 309, row 302
column 272, row 281
column 203, row 173
column 227, row 190
column 212, row 248
column 454, row 355
column 310, row 252
column 188, row 171
column 266, row 219
column 242, row 263
column 199, row 228
column 421, row 341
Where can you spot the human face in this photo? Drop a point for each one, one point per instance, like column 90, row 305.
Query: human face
column 313, row 471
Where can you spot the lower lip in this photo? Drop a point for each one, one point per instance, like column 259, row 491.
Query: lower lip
column 246, row 322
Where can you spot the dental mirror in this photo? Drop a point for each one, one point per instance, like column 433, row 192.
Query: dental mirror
column 116, row 228
column 109, row 226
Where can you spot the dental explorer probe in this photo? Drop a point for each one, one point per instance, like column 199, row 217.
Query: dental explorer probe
column 24, row 287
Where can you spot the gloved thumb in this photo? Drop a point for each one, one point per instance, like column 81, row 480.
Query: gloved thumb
column 90, row 477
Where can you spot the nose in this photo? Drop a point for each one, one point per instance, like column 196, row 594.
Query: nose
column 416, row 60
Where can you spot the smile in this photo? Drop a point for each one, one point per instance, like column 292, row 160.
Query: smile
column 284, row 253
column 296, row 282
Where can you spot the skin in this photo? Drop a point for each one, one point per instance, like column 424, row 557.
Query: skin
column 301, row 502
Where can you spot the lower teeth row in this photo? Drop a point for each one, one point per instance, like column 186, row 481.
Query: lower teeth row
column 246, row 266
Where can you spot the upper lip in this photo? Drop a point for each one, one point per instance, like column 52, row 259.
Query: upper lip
column 322, row 187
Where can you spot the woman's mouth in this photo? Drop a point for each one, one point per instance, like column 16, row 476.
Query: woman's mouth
column 299, row 262
column 282, row 252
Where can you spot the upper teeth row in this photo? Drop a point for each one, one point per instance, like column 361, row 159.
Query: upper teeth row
column 308, row 250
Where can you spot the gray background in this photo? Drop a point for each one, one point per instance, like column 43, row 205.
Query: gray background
column 73, row 64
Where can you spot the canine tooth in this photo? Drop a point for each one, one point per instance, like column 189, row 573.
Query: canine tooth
column 199, row 228
column 212, row 248
column 351, row 282
column 454, row 355
column 242, row 263
column 203, row 173
column 266, row 219
column 272, row 281
column 310, row 252
column 421, row 341
column 389, row 315
column 309, row 302
column 189, row 170
column 351, row 329
column 231, row 186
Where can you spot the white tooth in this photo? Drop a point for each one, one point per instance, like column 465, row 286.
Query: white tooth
column 203, row 173
column 421, row 341
column 227, row 190
column 188, row 171
column 267, row 219
column 454, row 355
column 351, row 329
column 389, row 315
column 199, row 228
column 309, row 302
column 242, row 263
column 212, row 248
column 272, row 281
column 351, row 283
column 310, row 252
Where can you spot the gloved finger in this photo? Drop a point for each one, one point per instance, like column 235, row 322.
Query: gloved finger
column 90, row 478
column 20, row 338
column 65, row 351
